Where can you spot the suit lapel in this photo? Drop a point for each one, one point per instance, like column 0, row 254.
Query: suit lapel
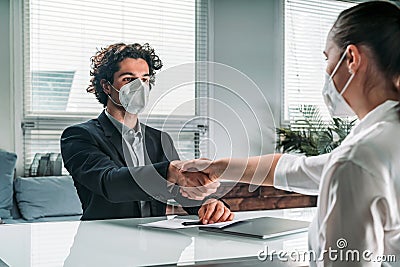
column 115, row 138
column 151, row 156
column 112, row 134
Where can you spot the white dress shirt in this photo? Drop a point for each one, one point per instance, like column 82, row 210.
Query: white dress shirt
column 358, row 185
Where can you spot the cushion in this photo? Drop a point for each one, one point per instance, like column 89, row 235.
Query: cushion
column 7, row 166
column 48, row 196
column 15, row 213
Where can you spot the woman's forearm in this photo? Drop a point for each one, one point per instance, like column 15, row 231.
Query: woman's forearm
column 255, row 170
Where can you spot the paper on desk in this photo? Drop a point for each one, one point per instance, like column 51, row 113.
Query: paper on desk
column 176, row 223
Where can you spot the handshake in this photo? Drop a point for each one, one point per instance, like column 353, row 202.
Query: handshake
column 196, row 178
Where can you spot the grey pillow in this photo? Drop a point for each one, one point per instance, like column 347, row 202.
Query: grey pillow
column 46, row 197
column 7, row 166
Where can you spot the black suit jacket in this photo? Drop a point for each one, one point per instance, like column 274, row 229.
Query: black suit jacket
column 93, row 154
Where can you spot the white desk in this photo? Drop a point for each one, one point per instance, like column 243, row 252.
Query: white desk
column 123, row 243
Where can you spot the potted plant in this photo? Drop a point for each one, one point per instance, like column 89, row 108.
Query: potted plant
column 310, row 135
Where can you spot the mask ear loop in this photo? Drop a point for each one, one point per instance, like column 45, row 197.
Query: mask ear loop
column 109, row 96
column 338, row 64
column 350, row 79
column 113, row 87
column 397, row 83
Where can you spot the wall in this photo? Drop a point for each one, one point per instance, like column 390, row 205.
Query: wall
column 248, row 36
column 6, row 93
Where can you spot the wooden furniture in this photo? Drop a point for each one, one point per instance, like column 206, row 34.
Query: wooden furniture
column 240, row 198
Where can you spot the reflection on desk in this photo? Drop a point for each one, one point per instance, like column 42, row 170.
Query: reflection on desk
column 123, row 243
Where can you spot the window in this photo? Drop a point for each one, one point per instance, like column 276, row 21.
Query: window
column 51, row 89
column 60, row 37
column 307, row 23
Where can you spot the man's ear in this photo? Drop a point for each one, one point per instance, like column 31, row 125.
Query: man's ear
column 106, row 86
column 353, row 58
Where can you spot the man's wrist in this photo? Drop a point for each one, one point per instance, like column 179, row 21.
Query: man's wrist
column 171, row 180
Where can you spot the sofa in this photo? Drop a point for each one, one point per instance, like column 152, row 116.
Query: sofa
column 35, row 199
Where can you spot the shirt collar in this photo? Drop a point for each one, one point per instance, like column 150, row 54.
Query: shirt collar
column 122, row 128
column 386, row 111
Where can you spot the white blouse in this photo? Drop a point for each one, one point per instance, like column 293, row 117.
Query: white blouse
column 358, row 185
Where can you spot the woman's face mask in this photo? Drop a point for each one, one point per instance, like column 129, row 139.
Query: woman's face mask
column 133, row 96
column 334, row 100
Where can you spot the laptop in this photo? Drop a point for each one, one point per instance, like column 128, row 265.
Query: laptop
column 262, row 228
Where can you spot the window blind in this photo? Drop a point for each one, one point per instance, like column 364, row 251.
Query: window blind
column 60, row 37
column 307, row 23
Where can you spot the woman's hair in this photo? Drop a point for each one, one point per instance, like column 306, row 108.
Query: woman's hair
column 375, row 24
column 106, row 62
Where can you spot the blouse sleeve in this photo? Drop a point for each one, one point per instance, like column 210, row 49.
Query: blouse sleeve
column 300, row 174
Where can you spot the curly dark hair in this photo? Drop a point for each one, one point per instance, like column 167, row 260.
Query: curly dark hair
column 106, row 62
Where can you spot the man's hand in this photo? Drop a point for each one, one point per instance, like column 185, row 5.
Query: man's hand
column 193, row 185
column 213, row 211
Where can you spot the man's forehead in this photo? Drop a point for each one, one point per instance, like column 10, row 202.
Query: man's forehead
column 131, row 66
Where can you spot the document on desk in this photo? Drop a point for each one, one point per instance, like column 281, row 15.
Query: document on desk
column 177, row 223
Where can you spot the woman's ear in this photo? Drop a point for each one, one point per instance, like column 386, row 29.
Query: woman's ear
column 106, row 86
column 353, row 59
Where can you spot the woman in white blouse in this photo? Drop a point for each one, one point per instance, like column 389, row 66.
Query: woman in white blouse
column 359, row 182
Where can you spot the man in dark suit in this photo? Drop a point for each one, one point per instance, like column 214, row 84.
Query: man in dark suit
column 122, row 168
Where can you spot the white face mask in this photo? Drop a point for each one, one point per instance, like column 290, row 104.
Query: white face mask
column 337, row 105
column 133, row 96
